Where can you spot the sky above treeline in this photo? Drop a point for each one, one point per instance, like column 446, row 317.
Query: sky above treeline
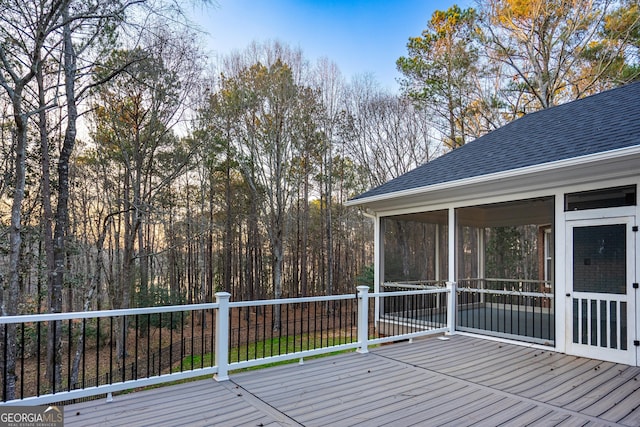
column 360, row 36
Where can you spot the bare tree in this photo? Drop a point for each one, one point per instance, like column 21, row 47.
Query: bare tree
column 135, row 115
column 388, row 136
column 24, row 31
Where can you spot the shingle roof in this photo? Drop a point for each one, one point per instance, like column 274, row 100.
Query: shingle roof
column 606, row 121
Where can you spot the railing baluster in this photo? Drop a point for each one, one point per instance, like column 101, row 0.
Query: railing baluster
column 54, row 361
column 4, row 381
column 214, row 331
column 414, row 312
column 192, row 351
column 315, row 325
column 287, row 335
column 84, row 348
column 97, row 351
column 410, row 313
column 160, row 342
column 279, row 327
column 256, row 334
column 506, row 311
column 340, row 322
column 271, row 338
column 124, row 348
column 247, row 318
column 170, row 340
column 135, row 376
column 264, row 332
column 149, row 365
column 202, row 337
column 182, row 341
column 69, row 342
column 111, row 350
column 306, row 315
column 5, row 351
column 295, row 328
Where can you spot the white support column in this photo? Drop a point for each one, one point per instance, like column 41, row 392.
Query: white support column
column 561, row 301
column 378, row 263
column 222, row 337
column 481, row 253
column 482, row 249
column 363, row 319
column 451, row 276
column 451, row 281
column 437, row 253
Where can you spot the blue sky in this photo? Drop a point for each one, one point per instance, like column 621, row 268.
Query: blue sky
column 359, row 36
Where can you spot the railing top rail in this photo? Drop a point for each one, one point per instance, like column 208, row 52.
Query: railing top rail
column 416, row 285
column 177, row 308
column 283, row 301
column 489, row 279
column 503, row 292
column 416, row 292
column 104, row 313
column 412, row 282
column 216, row 340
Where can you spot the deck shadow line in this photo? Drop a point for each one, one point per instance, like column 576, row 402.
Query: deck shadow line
column 259, row 404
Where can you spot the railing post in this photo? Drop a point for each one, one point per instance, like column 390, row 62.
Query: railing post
column 222, row 336
column 363, row 319
column 451, row 307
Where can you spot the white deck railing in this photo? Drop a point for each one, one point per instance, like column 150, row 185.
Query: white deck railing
column 338, row 323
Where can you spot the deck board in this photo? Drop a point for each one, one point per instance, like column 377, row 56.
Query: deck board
column 608, row 383
column 451, row 413
column 462, row 381
column 553, row 377
column 367, row 407
column 502, row 369
column 605, row 403
column 358, row 381
column 408, row 404
column 496, row 415
column 623, row 405
column 577, row 386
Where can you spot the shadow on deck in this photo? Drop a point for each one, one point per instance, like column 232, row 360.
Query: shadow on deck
column 456, row 381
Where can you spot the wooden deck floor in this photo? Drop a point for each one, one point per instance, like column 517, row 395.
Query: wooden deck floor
column 456, row 382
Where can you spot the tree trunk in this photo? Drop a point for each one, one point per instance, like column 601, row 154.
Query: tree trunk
column 304, row 261
column 53, row 371
column 329, row 220
column 96, row 278
column 128, row 262
column 11, row 292
column 62, row 217
column 227, row 257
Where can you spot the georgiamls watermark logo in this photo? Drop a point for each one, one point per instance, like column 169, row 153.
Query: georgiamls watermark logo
column 31, row 416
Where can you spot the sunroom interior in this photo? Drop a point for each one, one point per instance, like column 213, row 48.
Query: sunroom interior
column 503, row 255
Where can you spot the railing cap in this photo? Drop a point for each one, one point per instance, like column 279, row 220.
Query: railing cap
column 363, row 289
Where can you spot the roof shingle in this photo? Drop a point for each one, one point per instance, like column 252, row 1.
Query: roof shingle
column 603, row 122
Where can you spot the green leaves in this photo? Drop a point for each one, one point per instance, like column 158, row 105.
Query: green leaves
column 440, row 69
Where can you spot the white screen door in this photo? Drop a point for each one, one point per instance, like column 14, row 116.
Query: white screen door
column 601, row 316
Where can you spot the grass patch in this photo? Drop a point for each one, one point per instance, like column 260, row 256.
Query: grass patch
column 267, row 348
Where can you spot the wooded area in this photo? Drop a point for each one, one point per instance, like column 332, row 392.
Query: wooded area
column 134, row 175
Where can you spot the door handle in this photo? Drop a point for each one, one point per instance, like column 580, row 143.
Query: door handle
column 568, row 294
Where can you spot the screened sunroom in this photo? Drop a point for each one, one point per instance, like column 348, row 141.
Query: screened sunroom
column 532, row 229
column 503, row 259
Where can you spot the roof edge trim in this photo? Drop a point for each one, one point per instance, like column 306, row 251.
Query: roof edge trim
column 543, row 167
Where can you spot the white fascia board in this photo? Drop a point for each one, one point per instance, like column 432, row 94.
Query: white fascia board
column 504, row 175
